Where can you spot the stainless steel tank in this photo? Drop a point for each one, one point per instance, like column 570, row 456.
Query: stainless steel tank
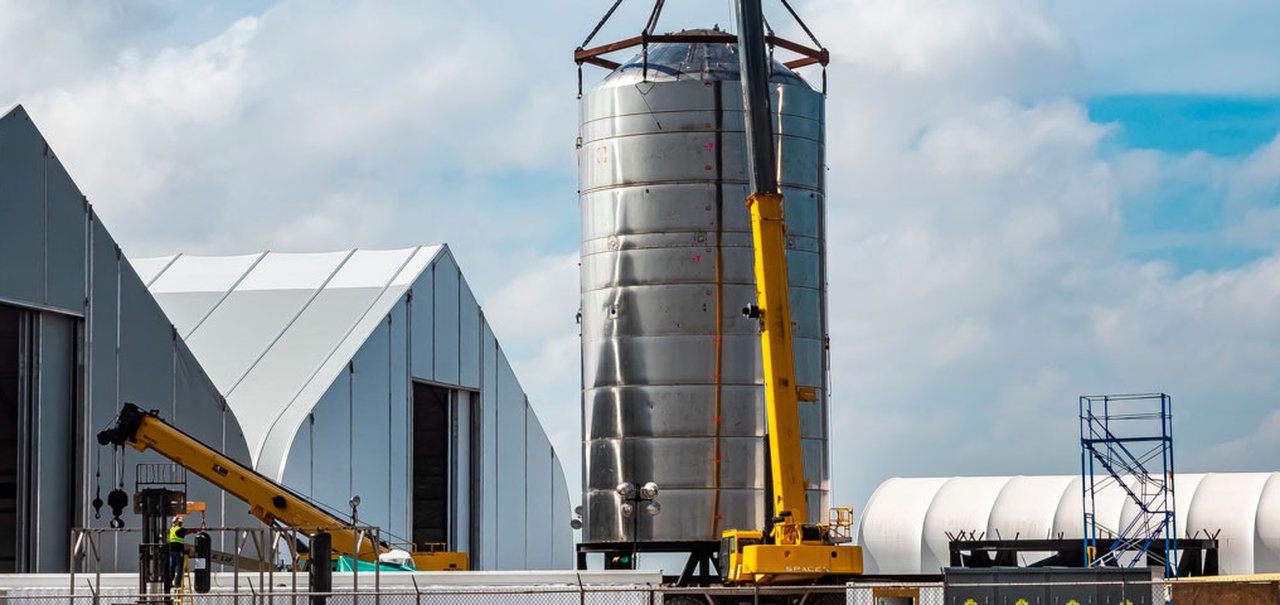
column 671, row 372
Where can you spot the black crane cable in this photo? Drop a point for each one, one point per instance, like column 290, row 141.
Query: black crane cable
column 600, row 24
column 801, row 23
column 812, row 37
column 653, row 17
column 644, row 38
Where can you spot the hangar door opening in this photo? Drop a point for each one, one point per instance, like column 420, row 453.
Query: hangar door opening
column 38, row 385
column 12, row 390
column 444, row 463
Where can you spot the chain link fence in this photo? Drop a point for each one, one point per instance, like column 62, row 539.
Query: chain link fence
column 897, row 594
column 1157, row 592
column 427, row 595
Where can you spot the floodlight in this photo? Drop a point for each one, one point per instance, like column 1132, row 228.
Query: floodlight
column 627, row 490
column 649, row 490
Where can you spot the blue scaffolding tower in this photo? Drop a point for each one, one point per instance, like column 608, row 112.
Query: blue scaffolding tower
column 1126, row 443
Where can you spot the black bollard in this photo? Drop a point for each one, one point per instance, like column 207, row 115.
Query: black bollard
column 320, row 569
column 203, row 562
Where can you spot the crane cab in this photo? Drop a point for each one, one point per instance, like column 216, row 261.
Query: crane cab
column 732, row 543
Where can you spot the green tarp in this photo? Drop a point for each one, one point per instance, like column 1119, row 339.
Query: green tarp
column 345, row 563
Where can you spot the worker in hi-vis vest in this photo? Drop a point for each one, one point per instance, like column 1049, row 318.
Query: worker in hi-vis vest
column 177, row 550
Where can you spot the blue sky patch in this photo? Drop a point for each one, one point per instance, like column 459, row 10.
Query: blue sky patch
column 1175, row 124
column 1182, row 222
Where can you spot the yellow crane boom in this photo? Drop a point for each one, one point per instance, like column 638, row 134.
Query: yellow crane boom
column 794, row 549
column 782, row 395
column 269, row 501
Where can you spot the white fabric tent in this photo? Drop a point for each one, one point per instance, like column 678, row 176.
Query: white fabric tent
column 320, row 356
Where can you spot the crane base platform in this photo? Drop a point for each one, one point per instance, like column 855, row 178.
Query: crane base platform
column 783, row 563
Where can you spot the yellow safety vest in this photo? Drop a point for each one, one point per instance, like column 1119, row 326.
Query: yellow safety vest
column 174, row 538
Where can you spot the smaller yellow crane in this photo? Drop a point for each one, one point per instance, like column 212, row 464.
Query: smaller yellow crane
column 269, row 501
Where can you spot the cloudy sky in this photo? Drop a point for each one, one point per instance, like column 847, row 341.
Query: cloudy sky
column 1028, row 200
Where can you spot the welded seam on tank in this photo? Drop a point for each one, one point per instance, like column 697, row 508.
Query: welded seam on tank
column 719, row 344
column 650, row 112
column 613, row 116
column 612, row 135
column 664, row 245
column 650, row 133
column 687, row 181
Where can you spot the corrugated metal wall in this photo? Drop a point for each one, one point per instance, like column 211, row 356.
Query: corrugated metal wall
column 102, row 341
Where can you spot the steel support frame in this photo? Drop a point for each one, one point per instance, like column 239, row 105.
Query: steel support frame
column 595, row 55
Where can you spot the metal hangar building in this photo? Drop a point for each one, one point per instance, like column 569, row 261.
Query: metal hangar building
column 358, row 372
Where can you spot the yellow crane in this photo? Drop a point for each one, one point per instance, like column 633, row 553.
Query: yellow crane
column 269, row 501
column 795, row 549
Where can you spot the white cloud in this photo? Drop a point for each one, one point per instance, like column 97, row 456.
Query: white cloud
column 155, row 114
column 979, row 268
column 537, row 303
column 1253, row 451
column 55, row 42
column 1261, row 171
column 324, row 125
column 981, row 276
column 307, row 109
column 957, row 48
column 1181, row 46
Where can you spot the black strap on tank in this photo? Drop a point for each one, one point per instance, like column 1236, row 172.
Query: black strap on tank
column 812, row 37
column 800, row 21
column 599, row 25
column 591, row 35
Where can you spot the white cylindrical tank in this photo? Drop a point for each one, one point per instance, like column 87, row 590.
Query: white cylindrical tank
column 1267, row 529
column 904, row 527
column 957, row 504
